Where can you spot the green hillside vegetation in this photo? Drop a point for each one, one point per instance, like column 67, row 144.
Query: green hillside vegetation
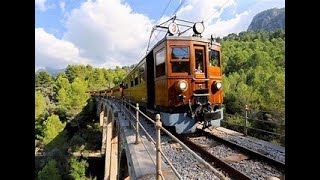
column 254, row 75
column 65, row 121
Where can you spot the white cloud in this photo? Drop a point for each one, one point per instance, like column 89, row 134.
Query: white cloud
column 55, row 53
column 202, row 10
column 108, row 32
column 196, row 11
column 210, row 11
column 41, row 4
column 242, row 20
column 222, row 28
column 62, row 5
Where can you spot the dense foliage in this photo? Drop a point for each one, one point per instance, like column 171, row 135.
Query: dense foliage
column 77, row 168
column 254, row 73
column 254, row 70
column 50, row 171
column 64, row 118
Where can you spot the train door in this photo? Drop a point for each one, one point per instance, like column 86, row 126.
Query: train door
column 200, row 69
column 200, row 64
column 150, row 80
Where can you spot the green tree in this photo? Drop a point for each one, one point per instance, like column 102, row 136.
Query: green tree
column 77, row 168
column 97, row 80
column 52, row 127
column 61, row 75
column 76, row 71
column 63, row 89
column 43, row 79
column 40, row 104
column 253, row 70
column 89, row 71
column 275, row 91
column 40, row 113
column 71, row 98
column 44, row 83
column 62, row 82
column 78, row 96
column 49, row 171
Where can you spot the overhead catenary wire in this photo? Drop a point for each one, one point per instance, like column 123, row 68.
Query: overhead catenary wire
column 172, row 16
column 216, row 11
column 155, row 35
column 178, row 8
column 164, row 11
column 147, row 45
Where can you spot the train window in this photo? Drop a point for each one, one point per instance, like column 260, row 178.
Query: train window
column 160, row 70
column 180, row 67
column 136, row 81
column 131, row 79
column 180, row 60
column 199, row 61
column 180, row 53
column 214, row 58
column 160, row 63
column 160, row 57
column 141, row 72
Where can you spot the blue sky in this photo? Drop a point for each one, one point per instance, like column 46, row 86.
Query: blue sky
column 109, row 33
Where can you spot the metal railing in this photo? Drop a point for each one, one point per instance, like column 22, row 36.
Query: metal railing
column 246, row 120
column 126, row 107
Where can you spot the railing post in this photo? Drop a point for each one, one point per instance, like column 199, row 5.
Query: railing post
column 137, row 124
column 123, row 109
column 246, row 121
column 128, row 113
column 130, row 117
column 158, row 143
column 129, row 105
column 120, row 105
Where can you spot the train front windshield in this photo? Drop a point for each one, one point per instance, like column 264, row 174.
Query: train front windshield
column 180, row 60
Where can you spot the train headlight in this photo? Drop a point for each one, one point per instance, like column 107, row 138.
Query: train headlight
column 198, row 28
column 181, row 86
column 217, row 85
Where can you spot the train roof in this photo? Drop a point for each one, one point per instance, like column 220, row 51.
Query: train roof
column 184, row 38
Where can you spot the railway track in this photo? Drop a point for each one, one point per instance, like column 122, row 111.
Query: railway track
column 209, row 157
column 250, row 152
column 236, row 161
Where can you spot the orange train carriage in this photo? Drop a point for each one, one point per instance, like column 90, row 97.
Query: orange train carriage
column 180, row 78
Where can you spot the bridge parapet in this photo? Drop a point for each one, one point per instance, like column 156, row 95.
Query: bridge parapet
column 141, row 159
column 124, row 158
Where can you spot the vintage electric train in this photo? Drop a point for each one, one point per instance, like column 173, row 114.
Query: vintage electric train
column 180, row 78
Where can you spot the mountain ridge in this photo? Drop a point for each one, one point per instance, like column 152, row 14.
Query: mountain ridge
column 268, row 20
column 52, row 71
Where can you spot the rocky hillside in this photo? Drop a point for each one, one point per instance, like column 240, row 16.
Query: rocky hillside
column 268, row 20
